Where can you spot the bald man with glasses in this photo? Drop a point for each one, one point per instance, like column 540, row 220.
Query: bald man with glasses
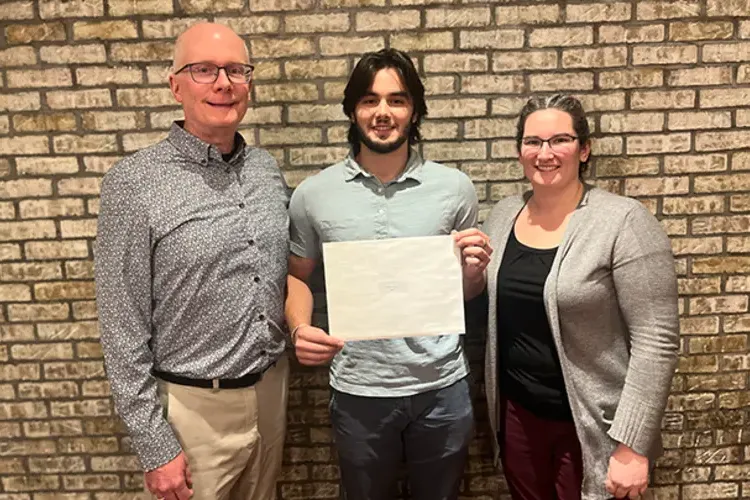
column 191, row 264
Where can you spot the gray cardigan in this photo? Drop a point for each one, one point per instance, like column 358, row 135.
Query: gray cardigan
column 611, row 301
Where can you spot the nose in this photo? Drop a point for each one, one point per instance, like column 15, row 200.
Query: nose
column 382, row 108
column 222, row 79
column 545, row 151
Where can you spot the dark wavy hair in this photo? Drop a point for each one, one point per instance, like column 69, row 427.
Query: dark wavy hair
column 563, row 102
column 361, row 80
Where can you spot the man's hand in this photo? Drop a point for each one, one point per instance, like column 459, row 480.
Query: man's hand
column 628, row 473
column 315, row 347
column 475, row 252
column 171, row 481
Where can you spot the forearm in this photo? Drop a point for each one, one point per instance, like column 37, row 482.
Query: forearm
column 474, row 286
column 299, row 303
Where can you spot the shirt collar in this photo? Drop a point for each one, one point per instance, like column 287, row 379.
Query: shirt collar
column 413, row 169
column 200, row 151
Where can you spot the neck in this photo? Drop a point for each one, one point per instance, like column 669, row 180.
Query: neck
column 547, row 200
column 385, row 167
column 222, row 138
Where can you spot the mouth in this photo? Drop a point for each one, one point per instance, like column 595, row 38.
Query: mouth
column 220, row 105
column 546, row 168
column 382, row 131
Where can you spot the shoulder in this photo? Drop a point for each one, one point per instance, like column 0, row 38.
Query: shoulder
column 132, row 169
column 610, row 206
column 440, row 172
column 320, row 183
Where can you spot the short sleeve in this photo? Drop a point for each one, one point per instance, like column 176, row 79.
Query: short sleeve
column 467, row 204
column 304, row 240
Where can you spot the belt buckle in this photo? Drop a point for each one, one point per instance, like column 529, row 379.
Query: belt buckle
column 215, row 384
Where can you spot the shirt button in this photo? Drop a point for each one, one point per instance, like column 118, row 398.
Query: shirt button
column 262, row 317
column 251, row 242
column 242, row 205
column 256, row 279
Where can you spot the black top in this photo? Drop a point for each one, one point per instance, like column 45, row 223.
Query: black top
column 529, row 369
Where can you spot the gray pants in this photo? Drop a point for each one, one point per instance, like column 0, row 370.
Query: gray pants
column 429, row 431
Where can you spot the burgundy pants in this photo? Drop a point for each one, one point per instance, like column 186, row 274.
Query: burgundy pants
column 541, row 458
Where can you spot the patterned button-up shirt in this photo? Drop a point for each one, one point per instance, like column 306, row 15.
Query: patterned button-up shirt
column 191, row 262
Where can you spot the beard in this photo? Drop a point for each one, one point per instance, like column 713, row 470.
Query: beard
column 383, row 147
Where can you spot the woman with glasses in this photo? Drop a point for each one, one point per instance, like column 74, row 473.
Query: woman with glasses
column 582, row 322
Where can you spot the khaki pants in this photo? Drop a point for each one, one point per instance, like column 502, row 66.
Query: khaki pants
column 233, row 438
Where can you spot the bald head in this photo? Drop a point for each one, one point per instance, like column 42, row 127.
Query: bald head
column 207, row 38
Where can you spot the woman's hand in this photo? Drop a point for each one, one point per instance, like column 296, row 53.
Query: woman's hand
column 628, row 473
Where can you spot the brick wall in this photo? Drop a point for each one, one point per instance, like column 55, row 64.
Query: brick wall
column 83, row 83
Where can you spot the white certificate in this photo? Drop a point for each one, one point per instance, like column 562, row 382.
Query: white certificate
column 399, row 287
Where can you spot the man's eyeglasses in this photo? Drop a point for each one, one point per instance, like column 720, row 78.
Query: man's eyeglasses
column 558, row 142
column 205, row 72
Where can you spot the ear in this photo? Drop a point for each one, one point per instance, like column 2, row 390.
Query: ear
column 583, row 155
column 174, row 86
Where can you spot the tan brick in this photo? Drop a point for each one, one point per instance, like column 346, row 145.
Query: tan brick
column 452, row 108
column 98, row 75
column 656, row 186
column 27, row 33
column 453, row 151
column 206, row 6
column 91, row 482
column 11, row 465
column 11, row 231
column 10, row 251
column 17, row 56
column 729, row 381
column 83, row 228
column 306, row 113
column 84, row 309
column 60, row 207
column 617, row 167
column 690, row 31
column 699, row 120
column 64, row 290
column 561, row 37
column 466, row 17
column 17, row 10
column 24, row 145
column 7, row 210
column 451, row 63
column 695, row 163
column 616, row 123
column 141, row 51
column 665, row 54
column 547, row 82
column 739, row 323
column 491, row 84
column 51, row 122
column 46, row 390
column 32, row 482
column 294, row 47
column 262, row 5
column 337, row 46
column 135, row 141
column 704, row 75
column 72, row 8
column 489, row 128
column 94, row 98
column 603, row 101
column 432, row 130
column 607, row 146
column 738, row 244
column 597, row 12
column 602, row 57
column 739, row 203
column 631, row 78
column 738, row 284
column 89, row 350
column 703, row 325
column 73, row 370
column 35, row 312
column 79, row 269
column 85, row 408
column 285, row 92
column 121, row 8
column 145, row 97
column 322, row 68
column 524, row 60
column 713, row 490
column 741, row 161
column 113, row 120
column 722, row 183
column 727, row 7
column 667, row 9
column 105, row 30
column 659, row 99
column 491, row 39
column 658, row 143
column 695, row 246
column 726, row 52
column 23, row 188
column 693, row 205
column 244, row 25
column 721, row 98
column 690, row 402
column 742, row 118
column 68, row 331
column 527, row 14
column 721, row 264
column 395, row 20
column 290, row 135
column 88, row 143
column 494, row 171
column 20, row 101
column 713, row 141
column 73, row 54
column 325, row 155
column 422, row 41
column 631, row 34
column 14, row 293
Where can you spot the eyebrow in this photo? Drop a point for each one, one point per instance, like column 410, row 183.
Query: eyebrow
column 394, row 94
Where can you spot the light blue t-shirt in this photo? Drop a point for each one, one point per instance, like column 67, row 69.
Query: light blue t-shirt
column 345, row 203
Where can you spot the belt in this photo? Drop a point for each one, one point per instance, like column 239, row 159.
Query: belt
column 217, row 383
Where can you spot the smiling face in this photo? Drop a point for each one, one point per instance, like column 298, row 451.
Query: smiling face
column 384, row 114
column 217, row 108
column 545, row 166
